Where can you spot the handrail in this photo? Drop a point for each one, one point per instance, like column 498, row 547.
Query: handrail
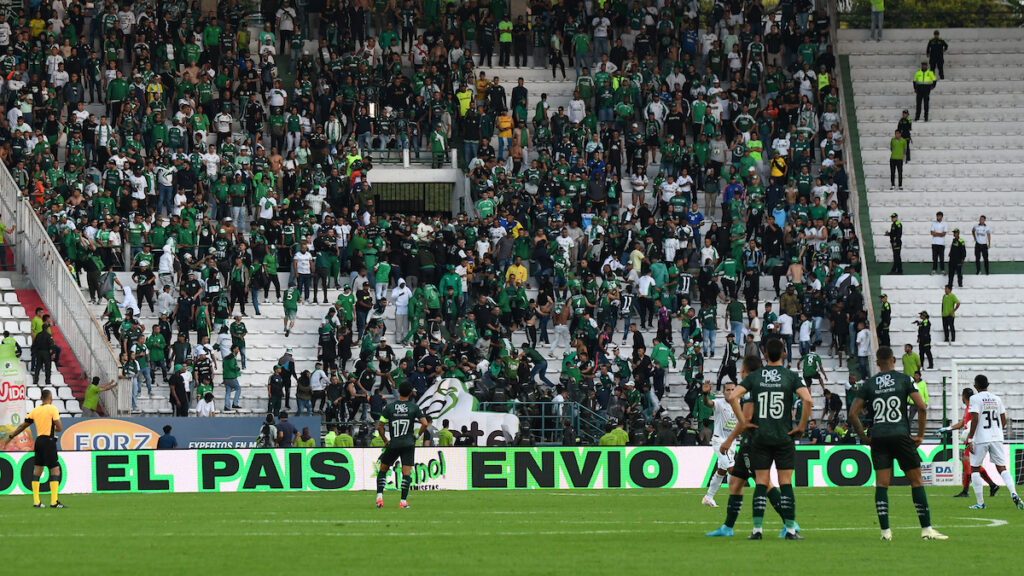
column 852, row 169
column 38, row 259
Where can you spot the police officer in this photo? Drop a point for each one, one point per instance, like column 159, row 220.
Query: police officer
column 924, row 338
column 886, row 319
column 924, row 82
column 936, row 53
column 903, row 127
column 895, row 235
column 957, row 256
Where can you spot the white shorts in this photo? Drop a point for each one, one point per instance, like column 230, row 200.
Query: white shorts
column 727, row 460
column 994, row 450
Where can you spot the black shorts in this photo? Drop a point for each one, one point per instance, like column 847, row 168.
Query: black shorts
column 407, row 454
column 46, row 452
column 886, row 449
column 763, row 455
column 741, row 469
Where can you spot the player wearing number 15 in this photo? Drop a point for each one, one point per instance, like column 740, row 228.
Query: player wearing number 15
column 885, row 394
column 772, row 389
column 397, row 421
column 988, row 420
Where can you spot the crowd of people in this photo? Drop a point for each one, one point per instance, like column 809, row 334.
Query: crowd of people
column 701, row 153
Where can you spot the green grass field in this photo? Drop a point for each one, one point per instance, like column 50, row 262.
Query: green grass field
column 495, row 532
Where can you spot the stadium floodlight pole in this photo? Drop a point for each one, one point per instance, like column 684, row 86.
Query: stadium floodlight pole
column 957, row 365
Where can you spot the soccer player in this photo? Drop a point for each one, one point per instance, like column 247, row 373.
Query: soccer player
column 47, row 421
column 740, row 472
column 886, row 395
column 772, row 390
column 397, row 420
column 988, row 419
column 725, row 422
column 966, row 458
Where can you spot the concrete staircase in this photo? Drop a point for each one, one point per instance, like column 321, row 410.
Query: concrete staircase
column 966, row 159
column 985, row 329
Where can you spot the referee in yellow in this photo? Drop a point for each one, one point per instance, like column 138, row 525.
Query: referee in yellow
column 47, row 421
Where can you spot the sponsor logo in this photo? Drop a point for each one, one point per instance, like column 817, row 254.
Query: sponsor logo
column 11, row 392
column 108, row 434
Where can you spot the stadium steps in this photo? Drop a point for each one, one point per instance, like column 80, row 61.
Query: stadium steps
column 67, row 380
column 985, row 328
column 966, row 159
column 266, row 343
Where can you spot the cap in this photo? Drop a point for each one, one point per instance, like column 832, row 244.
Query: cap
column 922, row 313
column 893, row 215
column 178, row 367
column 956, row 230
column 906, row 111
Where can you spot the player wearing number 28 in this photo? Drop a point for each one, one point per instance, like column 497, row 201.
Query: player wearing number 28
column 886, row 394
column 988, row 419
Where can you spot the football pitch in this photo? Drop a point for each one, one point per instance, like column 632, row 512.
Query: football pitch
column 496, row 532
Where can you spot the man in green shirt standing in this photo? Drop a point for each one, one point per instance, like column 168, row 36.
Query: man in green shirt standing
column 812, row 367
column 397, row 428
column 445, row 436
column 292, row 297
column 950, row 305
column 91, row 402
column 897, row 149
column 911, row 361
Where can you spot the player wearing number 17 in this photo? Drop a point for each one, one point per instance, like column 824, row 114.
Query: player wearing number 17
column 885, row 394
column 397, row 420
column 772, row 390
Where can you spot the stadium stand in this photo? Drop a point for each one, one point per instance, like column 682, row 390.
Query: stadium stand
column 146, row 170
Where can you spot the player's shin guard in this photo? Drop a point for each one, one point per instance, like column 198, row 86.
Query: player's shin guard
column 760, row 503
column 35, row 489
column 787, row 504
column 979, row 488
column 924, row 515
column 406, row 482
column 382, row 479
column 54, row 485
column 1008, row 480
column 773, row 498
column 732, row 509
column 882, row 507
column 714, row 485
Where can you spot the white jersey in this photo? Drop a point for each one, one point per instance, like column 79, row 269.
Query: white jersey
column 988, row 409
column 725, row 419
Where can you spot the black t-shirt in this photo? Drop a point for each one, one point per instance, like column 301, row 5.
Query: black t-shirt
column 276, row 385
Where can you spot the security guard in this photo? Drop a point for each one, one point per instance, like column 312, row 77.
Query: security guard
column 47, row 421
column 957, row 256
column 903, row 127
column 895, row 235
column 936, row 54
column 924, row 339
column 924, row 82
column 9, row 347
column 886, row 319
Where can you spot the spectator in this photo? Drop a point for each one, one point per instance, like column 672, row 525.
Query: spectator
column 957, row 256
column 207, row 406
column 938, row 233
column 982, row 241
column 91, row 402
column 863, row 349
column 286, row 432
column 167, row 441
column 305, row 440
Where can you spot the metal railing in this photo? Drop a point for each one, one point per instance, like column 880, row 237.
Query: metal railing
column 545, row 421
column 39, row 260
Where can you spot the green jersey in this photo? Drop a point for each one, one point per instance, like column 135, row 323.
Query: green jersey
column 401, row 417
column 886, row 396
column 812, row 364
column 772, row 390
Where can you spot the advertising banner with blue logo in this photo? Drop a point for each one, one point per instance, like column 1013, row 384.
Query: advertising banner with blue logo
column 142, row 433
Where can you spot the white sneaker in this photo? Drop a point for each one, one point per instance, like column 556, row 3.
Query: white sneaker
column 930, row 533
column 709, row 502
column 887, row 535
